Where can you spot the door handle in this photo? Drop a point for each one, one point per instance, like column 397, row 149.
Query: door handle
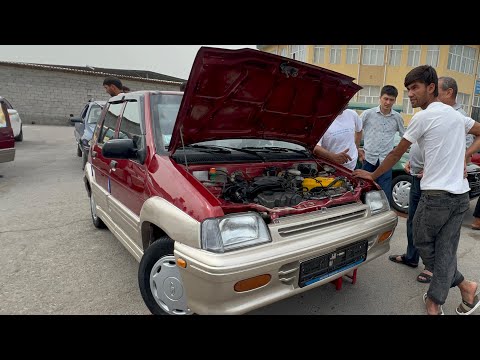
column 113, row 165
column 94, row 153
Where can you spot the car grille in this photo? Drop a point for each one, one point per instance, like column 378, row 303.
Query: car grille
column 321, row 223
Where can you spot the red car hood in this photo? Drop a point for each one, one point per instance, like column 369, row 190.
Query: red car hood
column 251, row 94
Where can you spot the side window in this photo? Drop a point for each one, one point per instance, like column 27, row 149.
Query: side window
column 110, row 123
column 3, row 119
column 130, row 127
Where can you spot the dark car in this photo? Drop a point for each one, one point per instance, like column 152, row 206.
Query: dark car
column 85, row 126
column 7, row 141
column 217, row 192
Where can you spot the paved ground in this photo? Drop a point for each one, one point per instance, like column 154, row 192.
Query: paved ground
column 53, row 261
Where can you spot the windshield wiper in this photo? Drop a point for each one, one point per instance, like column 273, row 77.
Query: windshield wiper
column 210, row 148
column 274, row 149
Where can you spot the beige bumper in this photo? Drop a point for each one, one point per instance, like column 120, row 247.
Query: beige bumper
column 7, row 155
column 209, row 278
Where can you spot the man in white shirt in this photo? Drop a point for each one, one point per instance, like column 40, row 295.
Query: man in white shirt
column 439, row 131
column 341, row 140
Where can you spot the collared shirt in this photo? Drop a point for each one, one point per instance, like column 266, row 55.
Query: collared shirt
column 440, row 132
column 379, row 133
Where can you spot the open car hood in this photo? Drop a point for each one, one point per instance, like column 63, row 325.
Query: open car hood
column 250, row 94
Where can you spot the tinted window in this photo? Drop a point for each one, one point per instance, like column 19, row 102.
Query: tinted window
column 130, row 127
column 110, row 123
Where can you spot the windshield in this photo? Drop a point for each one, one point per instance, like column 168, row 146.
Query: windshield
column 165, row 109
column 94, row 115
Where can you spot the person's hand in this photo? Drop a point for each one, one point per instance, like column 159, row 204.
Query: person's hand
column 363, row 174
column 406, row 167
column 420, row 174
column 361, row 155
column 342, row 157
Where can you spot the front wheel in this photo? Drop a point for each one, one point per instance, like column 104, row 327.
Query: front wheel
column 160, row 282
column 401, row 193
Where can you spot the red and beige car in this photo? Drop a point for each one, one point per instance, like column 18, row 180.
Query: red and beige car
column 216, row 191
column 7, row 140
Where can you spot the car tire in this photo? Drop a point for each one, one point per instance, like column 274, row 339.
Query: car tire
column 401, row 185
column 20, row 136
column 84, row 160
column 97, row 222
column 79, row 151
column 162, row 296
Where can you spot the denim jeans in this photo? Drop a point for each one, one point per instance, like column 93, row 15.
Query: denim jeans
column 436, row 233
column 476, row 213
column 411, row 256
column 384, row 180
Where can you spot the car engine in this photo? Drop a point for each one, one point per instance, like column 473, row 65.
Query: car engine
column 279, row 187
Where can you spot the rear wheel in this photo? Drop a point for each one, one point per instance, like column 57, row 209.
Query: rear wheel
column 97, row 222
column 401, row 193
column 20, row 136
column 160, row 282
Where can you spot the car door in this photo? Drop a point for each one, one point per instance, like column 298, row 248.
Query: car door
column 100, row 165
column 7, row 141
column 128, row 175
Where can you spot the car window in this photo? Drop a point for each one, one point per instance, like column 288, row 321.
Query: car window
column 130, row 127
column 3, row 120
column 84, row 112
column 94, row 114
column 164, row 110
column 110, row 123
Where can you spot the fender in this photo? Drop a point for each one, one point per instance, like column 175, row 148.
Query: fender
column 178, row 225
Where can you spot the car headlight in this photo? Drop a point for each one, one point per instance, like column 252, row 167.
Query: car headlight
column 234, row 231
column 377, row 200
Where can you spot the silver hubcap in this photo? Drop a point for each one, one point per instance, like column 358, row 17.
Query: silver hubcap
column 93, row 207
column 167, row 288
column 401, row 194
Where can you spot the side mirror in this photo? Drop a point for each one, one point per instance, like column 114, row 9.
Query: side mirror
column 119, row 149
column 76, row 120
column 12, row 112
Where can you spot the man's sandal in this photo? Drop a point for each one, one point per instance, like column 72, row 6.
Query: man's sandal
column 424, row 278
column 401, row 261
column 466, row 309
column 425, row 302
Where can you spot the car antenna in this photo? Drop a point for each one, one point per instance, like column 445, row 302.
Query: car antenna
column 183, row 147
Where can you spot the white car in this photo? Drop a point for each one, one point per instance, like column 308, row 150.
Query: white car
column 15, row 120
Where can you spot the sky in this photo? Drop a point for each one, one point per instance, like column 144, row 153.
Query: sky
column 172, row 60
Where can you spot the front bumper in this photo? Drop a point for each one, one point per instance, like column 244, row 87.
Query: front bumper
column 209, row 278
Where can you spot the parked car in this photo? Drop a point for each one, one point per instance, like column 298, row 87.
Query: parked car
column 7, row 141
column 217, row 193
column 15, row 120
column 85, row 126
column 401, row 182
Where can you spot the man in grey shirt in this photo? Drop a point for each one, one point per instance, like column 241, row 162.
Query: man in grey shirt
column 379, row 127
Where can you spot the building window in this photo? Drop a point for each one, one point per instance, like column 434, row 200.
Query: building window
column 464, row 101
column 462, row 59
column 335, row 54
column 395, row 55
column 373, row 55
column 433, row 52
column 407, row 105
column 297, row 52
column 369, row 94
column 319, row 54
column 476, row 108
column 352, row 54
column 284, row 52
column 413, row 55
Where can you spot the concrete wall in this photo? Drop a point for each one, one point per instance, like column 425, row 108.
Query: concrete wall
column 48, row 97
